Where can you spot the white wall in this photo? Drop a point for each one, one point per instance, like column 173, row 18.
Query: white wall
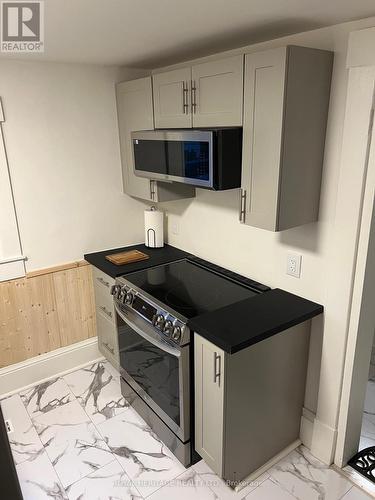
column 208, row 226
column 62, row 141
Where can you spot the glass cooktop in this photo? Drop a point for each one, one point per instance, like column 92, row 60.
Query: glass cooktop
column 188, row 288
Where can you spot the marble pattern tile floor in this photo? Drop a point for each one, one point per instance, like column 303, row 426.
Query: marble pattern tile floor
column 76, row 438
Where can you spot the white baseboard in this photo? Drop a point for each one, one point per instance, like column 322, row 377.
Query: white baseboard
column 307, row 427
column 323, row 442
column 28, row 373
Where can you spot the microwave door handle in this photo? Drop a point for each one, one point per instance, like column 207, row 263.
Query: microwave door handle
column 150, row 337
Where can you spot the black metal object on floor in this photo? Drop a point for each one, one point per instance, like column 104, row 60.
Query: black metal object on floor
column 10, row 488
column 364, row 463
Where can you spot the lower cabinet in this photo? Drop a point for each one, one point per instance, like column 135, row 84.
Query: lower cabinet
column 248, row 405
column 105, row 317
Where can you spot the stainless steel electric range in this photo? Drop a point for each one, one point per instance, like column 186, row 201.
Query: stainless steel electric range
column 153, row 307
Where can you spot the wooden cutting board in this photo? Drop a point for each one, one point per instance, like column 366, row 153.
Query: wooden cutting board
column 127, row 257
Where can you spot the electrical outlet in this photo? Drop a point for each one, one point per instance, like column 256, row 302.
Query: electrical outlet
column 175, row 228
column 293, row 265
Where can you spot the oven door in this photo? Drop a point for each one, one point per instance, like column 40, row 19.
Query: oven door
column 156, row 370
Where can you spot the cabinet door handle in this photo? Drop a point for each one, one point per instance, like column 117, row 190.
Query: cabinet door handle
column 193, row 97
column 106, row 311
column 103, row 282
column 152, row 189
column 185, row 105
column 217, row 368
column 242, row 211
column 110, row 349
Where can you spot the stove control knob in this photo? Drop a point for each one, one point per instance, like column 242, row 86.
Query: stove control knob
column 168, row 328
column 159, row 321
column 176, row 335
column 129, row 298
column 121, row 293
column 114, row 289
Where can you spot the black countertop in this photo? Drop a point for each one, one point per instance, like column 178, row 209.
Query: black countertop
column 240, row 325
column 158, row 256
column 233, row 327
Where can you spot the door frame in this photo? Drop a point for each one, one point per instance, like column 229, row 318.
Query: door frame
column 361, row 314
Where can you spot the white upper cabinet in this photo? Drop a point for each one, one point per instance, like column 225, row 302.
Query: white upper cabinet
column 217, row 100
column 134, row 107
column 204, row 95
column 172, row 103
column 286, row 98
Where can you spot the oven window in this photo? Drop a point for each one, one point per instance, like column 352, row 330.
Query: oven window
column 178, row 158
column 154, row 370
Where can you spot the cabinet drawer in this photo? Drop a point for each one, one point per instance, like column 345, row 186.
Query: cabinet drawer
column 101, row 280
column 113, row 359
column 103, row 297
column 107, row 339
column 104, row 302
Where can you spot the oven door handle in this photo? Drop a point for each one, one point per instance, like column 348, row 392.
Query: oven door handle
column 148, row 334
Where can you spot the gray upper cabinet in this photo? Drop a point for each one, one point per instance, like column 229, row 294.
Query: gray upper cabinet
column 135, row 112
column 203, row 95
column 134, row 108
column 172, row 104
column 218, row 94
column 286, row 98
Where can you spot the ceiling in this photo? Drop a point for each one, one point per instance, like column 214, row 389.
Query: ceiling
column 151, row 33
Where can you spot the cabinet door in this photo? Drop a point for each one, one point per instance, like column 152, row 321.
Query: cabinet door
column 172, row 104
column 134, row 108
column 218, row 94
column 209, row 402
column 262, row 136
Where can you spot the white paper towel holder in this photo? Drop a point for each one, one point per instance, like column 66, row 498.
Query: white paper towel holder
column 151, row 234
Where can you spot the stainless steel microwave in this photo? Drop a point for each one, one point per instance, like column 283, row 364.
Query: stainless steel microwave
column 203, row 158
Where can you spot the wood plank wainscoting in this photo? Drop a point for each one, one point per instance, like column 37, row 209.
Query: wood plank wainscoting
column 47, row 309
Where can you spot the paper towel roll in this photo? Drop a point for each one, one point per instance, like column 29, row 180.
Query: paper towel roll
column 154, row 228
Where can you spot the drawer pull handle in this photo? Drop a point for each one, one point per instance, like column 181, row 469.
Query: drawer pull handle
column 103, row 282
column 106, row 311
column 217, row 368
column 110, row 349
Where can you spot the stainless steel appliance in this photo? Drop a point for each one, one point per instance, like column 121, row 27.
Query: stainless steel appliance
column 153, row 307
column 203, row 158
